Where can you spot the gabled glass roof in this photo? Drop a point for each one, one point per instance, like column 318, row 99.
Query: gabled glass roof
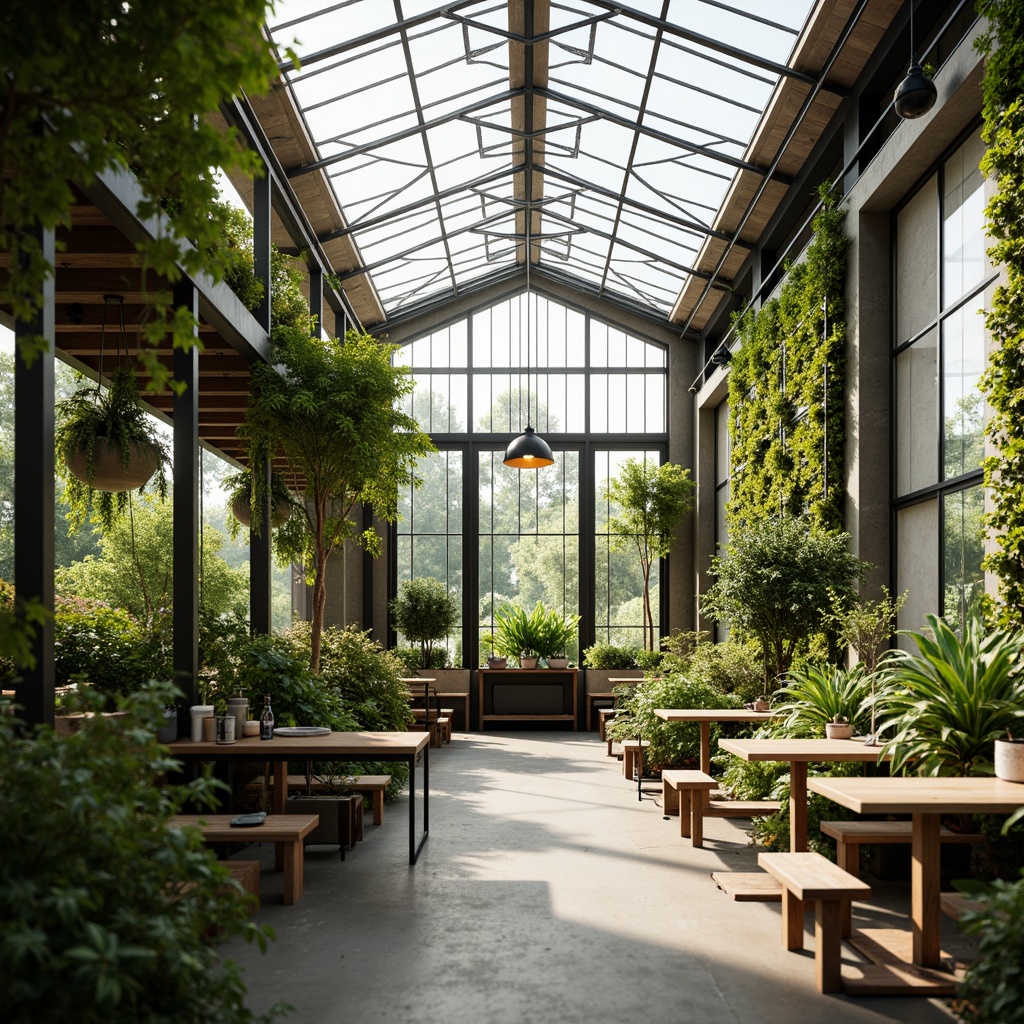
column 606, row 136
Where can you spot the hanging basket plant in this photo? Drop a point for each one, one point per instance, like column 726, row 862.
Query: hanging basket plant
column 107, row 446
column 239, row 487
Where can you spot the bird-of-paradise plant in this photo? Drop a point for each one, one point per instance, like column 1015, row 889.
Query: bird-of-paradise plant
column 944, row 707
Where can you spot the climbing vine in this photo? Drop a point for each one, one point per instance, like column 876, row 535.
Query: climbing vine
column 1003, row 381
column 786, row 389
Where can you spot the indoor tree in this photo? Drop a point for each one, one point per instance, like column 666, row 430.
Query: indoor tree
column 330, row 411
column 648, row 504
column 424, row 611
column 779, row 582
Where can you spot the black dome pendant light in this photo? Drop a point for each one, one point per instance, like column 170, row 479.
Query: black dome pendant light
column 529, row 450
column 916, row 94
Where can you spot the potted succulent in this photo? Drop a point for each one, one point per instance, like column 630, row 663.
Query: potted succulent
column 527, row 658
column 106, row 446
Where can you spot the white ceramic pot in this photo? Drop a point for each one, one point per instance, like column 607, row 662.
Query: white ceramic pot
column 1009, row 759
column 838, row 730
column 527, row 662
column 497, row 662
column 558, row 662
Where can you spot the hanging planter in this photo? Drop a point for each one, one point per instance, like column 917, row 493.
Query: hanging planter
column 110, row 470
column 240, row 498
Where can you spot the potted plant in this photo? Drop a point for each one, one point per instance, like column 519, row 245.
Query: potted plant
column 239, row 487
column 424, row 611
column 527, row 658
column 495, row 661
column 839, row 728
column 106, row 446
column 1009, row 758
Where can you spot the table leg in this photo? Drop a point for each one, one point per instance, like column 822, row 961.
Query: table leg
column 705, row 759
column 414, row 849
column 798, row 806
column 280, row 803
column 293, row 865
column 924, row 888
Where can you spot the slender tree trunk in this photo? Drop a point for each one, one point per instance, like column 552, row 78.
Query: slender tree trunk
column 648, row 616
column 319, row 587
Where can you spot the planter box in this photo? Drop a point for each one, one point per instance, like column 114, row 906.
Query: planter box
column 597, row 678
column 341, row 819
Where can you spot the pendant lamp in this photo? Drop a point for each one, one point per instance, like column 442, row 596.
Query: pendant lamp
column 529, row 450
column 916, row 94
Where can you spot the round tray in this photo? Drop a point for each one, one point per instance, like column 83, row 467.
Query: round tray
column 302, row 730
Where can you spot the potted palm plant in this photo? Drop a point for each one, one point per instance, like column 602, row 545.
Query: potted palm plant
column 106, row 446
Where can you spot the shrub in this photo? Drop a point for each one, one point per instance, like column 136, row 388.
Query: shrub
column 609, row 657
column 730, row 666
column 107, row 916
column 105, row 647
column 425, row 612
column 992, row 991
column 673, row 744
column 814, row 695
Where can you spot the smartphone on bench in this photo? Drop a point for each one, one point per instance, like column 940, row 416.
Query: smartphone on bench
column 248, row 820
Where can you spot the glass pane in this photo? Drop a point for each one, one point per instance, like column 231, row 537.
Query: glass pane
column 917, row 298
column 964, row 264
column 963, row 359
column 917, row 568
column 963, row 547
column 917, row 407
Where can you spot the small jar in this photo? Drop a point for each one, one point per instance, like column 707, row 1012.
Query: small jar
column 225, row 728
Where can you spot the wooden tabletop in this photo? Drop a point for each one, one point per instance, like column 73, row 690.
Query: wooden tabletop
column 275, row 828
column 417, row 679
column 801, row 750
column 334, row 746
column 714, row 715
column 922, row 795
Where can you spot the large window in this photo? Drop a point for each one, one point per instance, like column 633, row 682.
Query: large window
column 940, row 274
column 499, row 536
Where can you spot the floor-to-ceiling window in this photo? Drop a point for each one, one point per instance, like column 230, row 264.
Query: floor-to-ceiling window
column 940, row 271
column 500, row 536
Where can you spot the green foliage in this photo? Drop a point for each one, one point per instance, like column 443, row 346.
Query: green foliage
column 73, row 108
column 867, row 625
column 270, row 665
column 282, row 505
column 107, row 915
column 608, row 656
column 813, row 695
column 673, row 744
column 648, row 502
column 992, row 990
column 749, row 780
column 424, row 611
column 944, row 707
column 779, row 583
column 134, row 569
column 730, row 666
column 105, row 647
column 1002, row 383
column 649, row 661
column 109, row 416
column 543, row 632
column 786, row 382
column 332, row 411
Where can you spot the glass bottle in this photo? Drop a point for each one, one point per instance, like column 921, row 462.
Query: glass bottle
column 267, row 720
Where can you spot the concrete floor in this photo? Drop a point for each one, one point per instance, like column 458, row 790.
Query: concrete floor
column 546, row 894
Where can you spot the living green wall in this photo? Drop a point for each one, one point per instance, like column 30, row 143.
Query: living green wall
column 1003, row 382
column 786, row 390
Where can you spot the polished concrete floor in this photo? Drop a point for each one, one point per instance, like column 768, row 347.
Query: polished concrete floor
column 546, row 893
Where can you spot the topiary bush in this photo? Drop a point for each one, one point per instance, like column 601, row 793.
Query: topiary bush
column 107, row 915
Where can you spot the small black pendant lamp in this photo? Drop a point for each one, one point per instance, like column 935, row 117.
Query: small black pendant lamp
column 529, row 450
column 916, row 94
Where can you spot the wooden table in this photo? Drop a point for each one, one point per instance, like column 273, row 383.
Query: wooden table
column 334, row 746
column 704, row 717
column 285, row 831
column 926, row 800
column 799, row 753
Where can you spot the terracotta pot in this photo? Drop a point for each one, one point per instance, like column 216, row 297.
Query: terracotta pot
column 108, row 472
column 497, row 662
column 242, row 511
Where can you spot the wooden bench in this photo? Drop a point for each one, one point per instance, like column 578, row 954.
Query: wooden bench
column 604, row 715
column 630, row 751
column 956, row 904
column 591, row 698
column 375, row 785
column 285, row 831
column 697, row 787
column 851, row 835
column 451, row 698
column 812, row 878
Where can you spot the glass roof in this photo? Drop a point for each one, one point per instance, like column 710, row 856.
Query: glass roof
column 617, row 129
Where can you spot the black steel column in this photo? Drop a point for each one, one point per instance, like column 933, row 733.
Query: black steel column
column 186, row 507
column 316, row 299
column 34, row 495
